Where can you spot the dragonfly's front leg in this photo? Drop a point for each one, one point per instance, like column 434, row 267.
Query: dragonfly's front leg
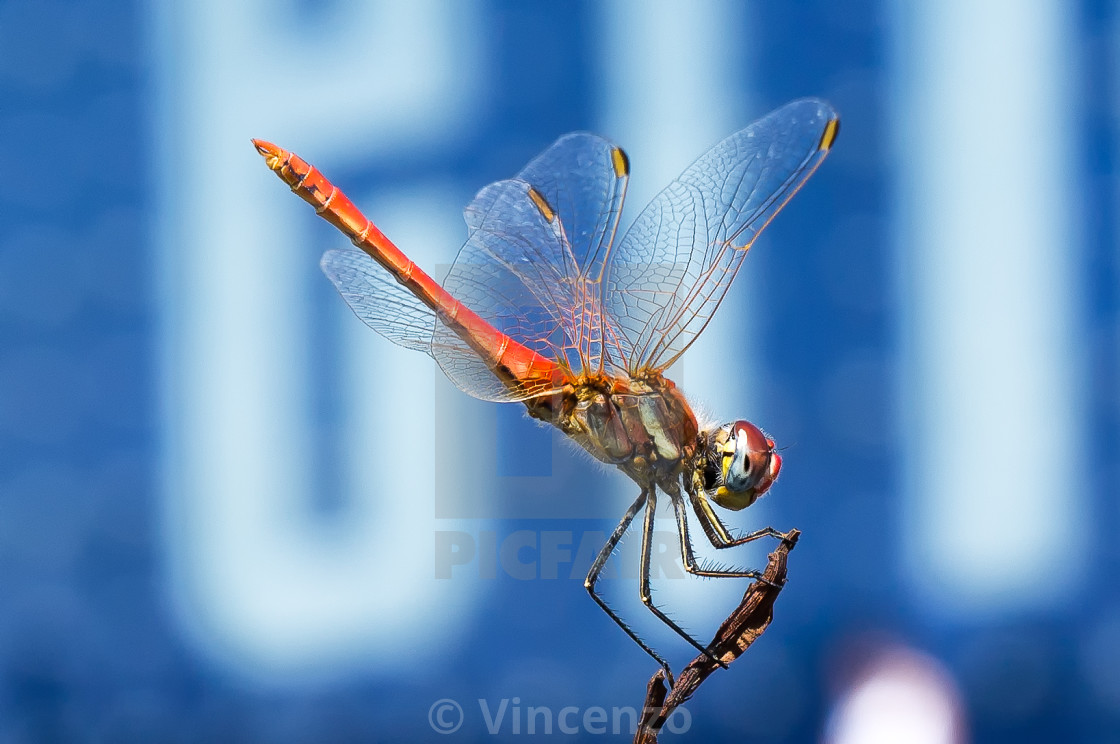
column 714, row 528
column 689, row 558
column 601, row 562
column 717, row 534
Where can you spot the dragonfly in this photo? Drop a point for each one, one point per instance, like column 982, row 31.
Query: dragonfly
column 546, row 305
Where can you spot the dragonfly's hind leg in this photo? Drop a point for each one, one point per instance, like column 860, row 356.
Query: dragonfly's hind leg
column 646, row 594
column 597, row 568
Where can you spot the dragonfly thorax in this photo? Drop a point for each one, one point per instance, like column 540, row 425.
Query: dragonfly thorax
column 645, row 427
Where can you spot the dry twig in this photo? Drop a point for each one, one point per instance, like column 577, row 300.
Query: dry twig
column 741, row 628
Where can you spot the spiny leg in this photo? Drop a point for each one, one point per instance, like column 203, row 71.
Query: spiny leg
column 597, row 568
column 717, row 532
column 687, row 555
column 646, row 595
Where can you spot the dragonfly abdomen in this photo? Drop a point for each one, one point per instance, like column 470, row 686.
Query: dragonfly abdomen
column 516, row 365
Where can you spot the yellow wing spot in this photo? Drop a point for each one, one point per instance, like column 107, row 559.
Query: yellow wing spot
column 829, row 136
column 542, row 204
column 620, row 162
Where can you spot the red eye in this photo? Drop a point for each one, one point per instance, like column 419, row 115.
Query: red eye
column 756, row 440
column 758, row 463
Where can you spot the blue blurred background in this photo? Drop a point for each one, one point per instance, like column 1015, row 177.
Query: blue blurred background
column 229, row 512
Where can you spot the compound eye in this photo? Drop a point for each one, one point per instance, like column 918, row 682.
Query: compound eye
column 746, row 457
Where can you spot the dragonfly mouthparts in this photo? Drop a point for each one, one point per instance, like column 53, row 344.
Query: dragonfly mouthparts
column 271, row 153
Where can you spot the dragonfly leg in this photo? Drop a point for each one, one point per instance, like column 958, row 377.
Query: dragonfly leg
column 597, row 568
column 689, row 559
column 643, row 571
column 719, row 536
column 717, row 533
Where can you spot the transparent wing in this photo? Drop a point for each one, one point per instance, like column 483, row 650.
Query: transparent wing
column 673, row 267
column 531, row 268
column 378, row 300
column 519, row 271
column 506, row 274
column 384, row 305
column 387, row 307
column 583, row 178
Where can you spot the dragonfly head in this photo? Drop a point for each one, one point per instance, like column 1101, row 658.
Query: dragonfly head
column 740, row 465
